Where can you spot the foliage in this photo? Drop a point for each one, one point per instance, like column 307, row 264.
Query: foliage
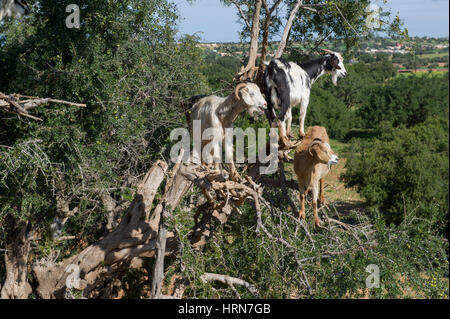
column 127, row 65
column 330, row 112
column 405, row 172
column 344, row 19
column 219, row 70
column 405, row 101
column 131, row 67
column 333, row 259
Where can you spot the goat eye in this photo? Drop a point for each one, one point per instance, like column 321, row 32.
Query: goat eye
column 252, row 94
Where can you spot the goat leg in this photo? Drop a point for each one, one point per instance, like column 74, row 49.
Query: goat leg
column 284, row 141
column 301, row 214
column 317, row 221
column 322, row 194
column 235, row 177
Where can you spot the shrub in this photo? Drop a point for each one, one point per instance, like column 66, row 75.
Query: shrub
column 405, row 101
column 405, row 172
column 326, row 110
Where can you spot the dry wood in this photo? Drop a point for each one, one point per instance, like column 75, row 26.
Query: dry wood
column 20, row 104
column 242, row 14
column 103, row 260
column 158, row 270
column 140, row 234
column 248, row 72
column 231, row 281
column 287, row 29
column 16, row 284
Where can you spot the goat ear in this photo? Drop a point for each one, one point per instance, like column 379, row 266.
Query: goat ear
column 335, row 62
column 313, row 146
column 318, row 152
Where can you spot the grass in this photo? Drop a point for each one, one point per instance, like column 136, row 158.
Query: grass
column 337, row 146
column 433, row 55
column 420, row 74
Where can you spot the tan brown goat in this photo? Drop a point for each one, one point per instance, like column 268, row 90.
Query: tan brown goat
column 312, row 162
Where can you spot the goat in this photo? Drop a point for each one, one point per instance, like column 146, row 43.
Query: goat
column 9, row 8
column 312, row 162
column 288, row 84
column 219, row 113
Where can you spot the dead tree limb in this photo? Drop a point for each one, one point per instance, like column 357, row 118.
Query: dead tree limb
column 231, row 281
column 16, row 285
column 265, row 40
column 248, row 72
column 242, row 14
column 20, row 104
column 100, row 262
column 287, row 29
column 158, row 270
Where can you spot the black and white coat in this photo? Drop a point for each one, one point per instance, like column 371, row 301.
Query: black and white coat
column 288, row 84
column 9, row 8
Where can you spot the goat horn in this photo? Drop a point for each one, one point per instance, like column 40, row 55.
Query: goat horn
column 315, row 142
column 237, row 89
column 328, row 51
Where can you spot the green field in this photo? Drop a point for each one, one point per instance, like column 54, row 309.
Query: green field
column 434, row 55
column 422, row 74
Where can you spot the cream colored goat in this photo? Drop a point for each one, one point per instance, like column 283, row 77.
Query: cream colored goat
column 312, row 162
column 219, row 113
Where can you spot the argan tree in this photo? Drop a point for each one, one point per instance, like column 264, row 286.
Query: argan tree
column 308, row 22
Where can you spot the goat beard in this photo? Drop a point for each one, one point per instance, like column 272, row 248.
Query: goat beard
column 334, row 78
column 254, row 111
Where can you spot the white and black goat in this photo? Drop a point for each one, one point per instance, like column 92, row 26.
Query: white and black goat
column 288, row 84
column 16, row 8
column 218, row 114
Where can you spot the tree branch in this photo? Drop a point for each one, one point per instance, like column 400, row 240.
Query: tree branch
column 247, row 72
column 287, row 29
column 242, row 14
column 20, row 104
column 230, row 281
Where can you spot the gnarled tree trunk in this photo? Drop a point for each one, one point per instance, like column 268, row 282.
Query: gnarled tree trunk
column 16, row 285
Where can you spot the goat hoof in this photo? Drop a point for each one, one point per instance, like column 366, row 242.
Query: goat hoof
column 301, row 134
column 296, row 144
column 285, row 145
column 225, row 175
column 317, row 223
column 235, row 177
column 288, row 158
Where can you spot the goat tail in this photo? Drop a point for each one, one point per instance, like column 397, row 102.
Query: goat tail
column 187, row 106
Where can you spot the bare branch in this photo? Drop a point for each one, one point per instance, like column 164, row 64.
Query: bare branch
column 287, row 29
column 243, row 15
column 275, row 6
column 158, row 270
column 345, row 19
column 247, row 72
column 20, row 104
column 230, row 281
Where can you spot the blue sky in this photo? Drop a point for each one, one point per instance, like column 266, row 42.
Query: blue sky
column 215, row 23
